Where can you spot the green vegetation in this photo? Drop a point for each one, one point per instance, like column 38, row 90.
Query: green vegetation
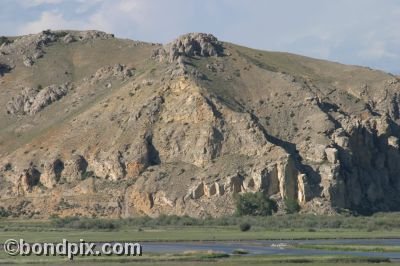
column 174, row 228
column 192, row 233
column 255, row 204
column 365, row 248
column 84, row 223
column 4, row 212
column 291, row 206
column 3, row 39
column 196, row 258
column 377, row 222
column 245, row 227
column 262, row 227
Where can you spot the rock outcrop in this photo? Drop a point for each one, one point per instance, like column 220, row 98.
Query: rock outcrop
column 127, row 135
column 31, row 47
column 32, row 100
column 118, row 71
column 74, row 168
column 192, row 44
column 52, row 171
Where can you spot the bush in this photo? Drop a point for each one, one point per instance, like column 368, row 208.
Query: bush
column 255, row 204
column 84, row 223
column 291, row 206
column 4, row 212
column 3, row 39
column 244, row 227
column 214, row 256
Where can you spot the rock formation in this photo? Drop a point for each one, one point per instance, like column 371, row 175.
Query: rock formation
column 123, row 134
column 32, row 100
column 192, row 44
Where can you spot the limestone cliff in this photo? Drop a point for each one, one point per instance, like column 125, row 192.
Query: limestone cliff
column 98, row 126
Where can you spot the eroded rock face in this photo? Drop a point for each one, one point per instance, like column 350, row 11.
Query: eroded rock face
column 108, row 165
column 74, row 168
column 28, row 179
column 138, row 137
column 52, row 171
column 31, row 101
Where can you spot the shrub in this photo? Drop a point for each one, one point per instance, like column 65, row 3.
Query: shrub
column 214, row 256
column 4, row 212
column 255, row 204
column 87, row 174
column 8, row 167
column 291, row 206
column 244, row 227
column 84, row 223
column 3, row 39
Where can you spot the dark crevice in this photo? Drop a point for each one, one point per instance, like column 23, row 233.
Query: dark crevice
column 4, row 69
column 213, row 107
column 58, row 168
column 328, row 107
column 152, row 153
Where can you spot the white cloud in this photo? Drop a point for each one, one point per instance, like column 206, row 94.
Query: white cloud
column 355, row 32
column 49, row 20
column 110, row 16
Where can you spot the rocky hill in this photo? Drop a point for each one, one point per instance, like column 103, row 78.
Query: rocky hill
column 98, row 126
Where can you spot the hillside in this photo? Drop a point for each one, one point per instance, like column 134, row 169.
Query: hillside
column 93, row 125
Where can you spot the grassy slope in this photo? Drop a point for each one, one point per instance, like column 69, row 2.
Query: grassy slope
column 64, row 63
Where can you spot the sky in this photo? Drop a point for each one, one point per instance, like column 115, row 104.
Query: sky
column 358, row 32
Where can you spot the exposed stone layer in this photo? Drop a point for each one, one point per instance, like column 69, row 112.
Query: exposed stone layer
column 184, row 135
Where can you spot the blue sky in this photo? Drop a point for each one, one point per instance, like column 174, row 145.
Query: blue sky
column 360, row 32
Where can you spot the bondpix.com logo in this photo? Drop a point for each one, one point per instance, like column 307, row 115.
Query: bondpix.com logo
column 20, row 247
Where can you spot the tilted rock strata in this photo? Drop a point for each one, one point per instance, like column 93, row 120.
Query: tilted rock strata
column 185, row 134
